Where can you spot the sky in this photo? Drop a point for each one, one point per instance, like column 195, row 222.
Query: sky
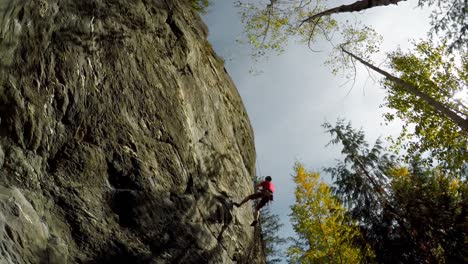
column 295, row 93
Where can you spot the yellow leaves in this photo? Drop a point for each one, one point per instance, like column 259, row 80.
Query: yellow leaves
column 280, row 22
column 320, row 218
column 305, row 181
column 454, row 185
column 400, row 177
column 399, row 172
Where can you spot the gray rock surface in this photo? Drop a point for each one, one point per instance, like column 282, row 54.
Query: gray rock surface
column 122, row 137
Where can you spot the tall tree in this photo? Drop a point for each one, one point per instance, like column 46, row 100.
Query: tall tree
column 360, row 179
column 424, row 96
column 417, row 214
column 408, row 87
column 434, row 206
column 319, row 219
column 433, row 71
column 272, row 242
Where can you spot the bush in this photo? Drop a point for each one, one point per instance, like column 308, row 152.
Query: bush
column 200, row 5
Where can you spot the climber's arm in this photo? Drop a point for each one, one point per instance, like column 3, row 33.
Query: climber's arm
column 258, row 186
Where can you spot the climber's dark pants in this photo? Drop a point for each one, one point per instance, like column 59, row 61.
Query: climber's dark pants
column 265, row 197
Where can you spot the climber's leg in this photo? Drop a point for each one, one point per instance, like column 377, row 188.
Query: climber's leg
column 256, row 215
column 265, row 199
column 250, row 197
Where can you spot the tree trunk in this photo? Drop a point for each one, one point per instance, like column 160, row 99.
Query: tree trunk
column 463, row 123
column 354, row 7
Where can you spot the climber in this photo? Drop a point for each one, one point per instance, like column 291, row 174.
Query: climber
column 266, row 195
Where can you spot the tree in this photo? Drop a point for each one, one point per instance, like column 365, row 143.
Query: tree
column 417, row 212
column 405, row 85
column 434, row 72
column 361, row 182
column 272, row 242
column 268, row 27
column 360, row 179
column 450, row 20
column 424, row 96
column 319, row 219
column 434, row 207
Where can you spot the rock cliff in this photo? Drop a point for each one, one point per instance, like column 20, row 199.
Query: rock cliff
column 122, row 137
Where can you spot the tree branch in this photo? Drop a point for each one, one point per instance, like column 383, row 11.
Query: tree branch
column 354, row 7
column 461, row 122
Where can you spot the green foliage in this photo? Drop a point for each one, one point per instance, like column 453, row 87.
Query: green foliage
column 406, row 213
column 450, row 19
column 435, row 72
column 319, row 219
column 363, row 41
column 272, row 242
column 268, row 28
column 200, row 5
column 434, row 206
column 360, row 179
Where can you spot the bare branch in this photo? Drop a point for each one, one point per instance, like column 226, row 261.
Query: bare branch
column 354, row 7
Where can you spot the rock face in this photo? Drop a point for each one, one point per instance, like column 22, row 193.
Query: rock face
column 122, row 138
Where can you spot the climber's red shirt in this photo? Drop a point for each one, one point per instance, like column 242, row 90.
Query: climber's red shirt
column 267, row 185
